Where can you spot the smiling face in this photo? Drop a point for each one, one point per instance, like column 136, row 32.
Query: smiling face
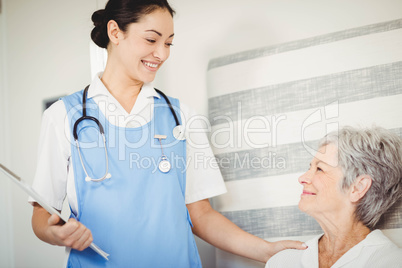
column 322, row 194
column 145, row 45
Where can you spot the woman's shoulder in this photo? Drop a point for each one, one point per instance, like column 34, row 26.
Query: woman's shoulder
column 293, row 258
column 378, row 237
column 388, row 255
column 285, row 258
column 385, row 247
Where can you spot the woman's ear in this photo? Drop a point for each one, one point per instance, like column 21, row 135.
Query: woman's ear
column 360, row 187
column 114, row 32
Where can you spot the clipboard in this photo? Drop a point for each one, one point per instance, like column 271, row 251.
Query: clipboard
column 31, row 192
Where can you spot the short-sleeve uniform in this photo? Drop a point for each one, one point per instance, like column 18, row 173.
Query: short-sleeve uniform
column 54, row 178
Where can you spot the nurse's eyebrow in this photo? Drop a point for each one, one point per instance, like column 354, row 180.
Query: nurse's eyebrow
column 158, row 33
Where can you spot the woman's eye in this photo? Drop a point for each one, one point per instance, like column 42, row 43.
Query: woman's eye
column 319, row 169
column 151, row 40
column 169, row 44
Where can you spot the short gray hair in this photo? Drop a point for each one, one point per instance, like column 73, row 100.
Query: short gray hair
column 376, row 152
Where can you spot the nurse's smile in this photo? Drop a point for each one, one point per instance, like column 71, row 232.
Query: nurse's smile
column 152, row 66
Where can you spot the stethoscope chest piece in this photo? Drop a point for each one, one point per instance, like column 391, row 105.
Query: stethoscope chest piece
column 164, row 165
column 178, row 133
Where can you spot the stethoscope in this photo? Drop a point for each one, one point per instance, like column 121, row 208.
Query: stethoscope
column 164, row 164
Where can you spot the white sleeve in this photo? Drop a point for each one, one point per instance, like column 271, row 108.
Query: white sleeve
column 204, row 179
column 53, row 155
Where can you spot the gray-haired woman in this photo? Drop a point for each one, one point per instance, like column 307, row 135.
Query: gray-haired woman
column 355, row 177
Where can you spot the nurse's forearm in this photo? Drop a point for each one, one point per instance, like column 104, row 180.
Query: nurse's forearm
column 40, row 224
column 217, row 230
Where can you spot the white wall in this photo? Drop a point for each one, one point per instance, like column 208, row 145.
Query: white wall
column 208, row 29
column 47, row 55
column 6, row 223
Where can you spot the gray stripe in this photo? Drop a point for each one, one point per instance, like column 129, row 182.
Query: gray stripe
column 254, row 163
column 267, row 162
column 290, row 221
column 313, row 41
column 378, row 81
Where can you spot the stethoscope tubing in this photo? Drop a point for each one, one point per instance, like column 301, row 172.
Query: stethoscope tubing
column 82, row 118
column 101, row 130
column 170, row 106
column 107, row 174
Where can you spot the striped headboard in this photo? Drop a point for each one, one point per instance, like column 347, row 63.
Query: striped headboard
column 268, row 107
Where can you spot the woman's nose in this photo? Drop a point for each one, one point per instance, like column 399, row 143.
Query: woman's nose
column 305, row 178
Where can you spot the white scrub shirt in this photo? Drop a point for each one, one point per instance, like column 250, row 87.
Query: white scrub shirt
column 54, row 177
column 376, row 250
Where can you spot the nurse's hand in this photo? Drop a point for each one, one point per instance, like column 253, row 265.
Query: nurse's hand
column 53, row 230
column 72, row 234
column 275, row 247
column 217, row 230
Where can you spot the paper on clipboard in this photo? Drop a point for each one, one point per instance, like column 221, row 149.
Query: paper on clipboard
column 31, row 192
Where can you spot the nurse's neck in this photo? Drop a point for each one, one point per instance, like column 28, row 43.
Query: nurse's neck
column 123, row 89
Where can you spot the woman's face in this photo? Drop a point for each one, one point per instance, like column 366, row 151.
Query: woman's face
column 145, row 46
column 322, row 193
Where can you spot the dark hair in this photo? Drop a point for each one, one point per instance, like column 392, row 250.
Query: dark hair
column 124, row 12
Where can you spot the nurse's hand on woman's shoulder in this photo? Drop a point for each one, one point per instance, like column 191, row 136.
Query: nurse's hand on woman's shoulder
column 285, row 244
column 53, row 230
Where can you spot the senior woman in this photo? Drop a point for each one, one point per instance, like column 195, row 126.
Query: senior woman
column 354, row 178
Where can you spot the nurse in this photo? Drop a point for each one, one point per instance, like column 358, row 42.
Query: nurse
column 143, row 211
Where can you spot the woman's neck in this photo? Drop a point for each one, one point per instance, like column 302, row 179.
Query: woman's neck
column 122, row 88
column 339, row 237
